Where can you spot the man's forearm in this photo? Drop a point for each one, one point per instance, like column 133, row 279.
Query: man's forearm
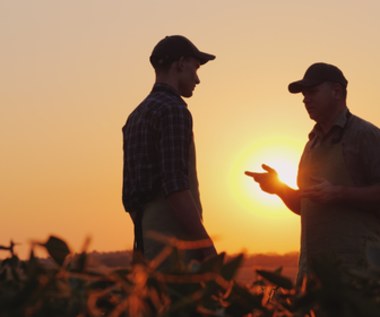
column 291, row 198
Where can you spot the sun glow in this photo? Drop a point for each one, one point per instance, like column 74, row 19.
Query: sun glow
column 279, row 153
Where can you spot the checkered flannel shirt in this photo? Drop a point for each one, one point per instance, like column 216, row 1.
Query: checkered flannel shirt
column 156, row 142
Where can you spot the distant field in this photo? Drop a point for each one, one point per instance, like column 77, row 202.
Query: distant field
column 246, row 274
column 288, row 262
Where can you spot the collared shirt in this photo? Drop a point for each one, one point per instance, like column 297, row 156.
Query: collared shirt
column 157, row 139
column 361, row 146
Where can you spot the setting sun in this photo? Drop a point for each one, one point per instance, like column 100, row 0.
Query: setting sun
column 64, row 102
column 278, row 152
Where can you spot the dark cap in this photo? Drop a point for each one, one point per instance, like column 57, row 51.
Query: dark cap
column 173, row 47
column 316, row 74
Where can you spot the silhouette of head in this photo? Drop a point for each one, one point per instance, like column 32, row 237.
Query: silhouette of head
column 316, row 74
column 172, row 48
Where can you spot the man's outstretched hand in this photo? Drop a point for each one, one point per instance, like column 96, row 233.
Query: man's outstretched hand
column 268, row 181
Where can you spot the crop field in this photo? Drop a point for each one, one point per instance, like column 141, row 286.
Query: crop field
column 94, row 285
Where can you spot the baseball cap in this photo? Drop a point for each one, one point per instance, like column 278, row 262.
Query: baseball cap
column 171, row 48
column 316, row 74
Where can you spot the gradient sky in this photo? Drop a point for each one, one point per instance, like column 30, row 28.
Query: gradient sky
column 72, row 71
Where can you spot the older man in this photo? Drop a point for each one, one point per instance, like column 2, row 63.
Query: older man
column 338, row 177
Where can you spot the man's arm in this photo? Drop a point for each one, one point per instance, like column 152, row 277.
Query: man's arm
column 270, row 183
column 187, row 215
column 322, row 192
column 291, row 198
column 175, row 140
column 325, row 192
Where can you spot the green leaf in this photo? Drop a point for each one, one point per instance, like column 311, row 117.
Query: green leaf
column 213, row 264
column 241, row 301
column 276, row 279
column 57, row 249
column 231, row 267
column 80, row 263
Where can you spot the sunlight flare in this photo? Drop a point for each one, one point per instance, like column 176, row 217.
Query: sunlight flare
column 280, row 153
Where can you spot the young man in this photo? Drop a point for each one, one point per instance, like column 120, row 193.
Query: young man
column 338, row 177
column 160, row 186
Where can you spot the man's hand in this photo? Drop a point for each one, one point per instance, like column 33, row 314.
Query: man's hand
column 268, row 181
column 322, row 192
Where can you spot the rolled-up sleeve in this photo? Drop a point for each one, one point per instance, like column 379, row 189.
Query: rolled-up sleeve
column 174, row 145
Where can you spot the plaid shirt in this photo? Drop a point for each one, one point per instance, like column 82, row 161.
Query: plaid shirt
column 157, row 139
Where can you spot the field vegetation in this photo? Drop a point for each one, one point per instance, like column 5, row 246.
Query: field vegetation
column 68, row 284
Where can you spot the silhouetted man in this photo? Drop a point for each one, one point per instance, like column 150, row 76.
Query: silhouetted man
column 160, row 186
column 338, row 177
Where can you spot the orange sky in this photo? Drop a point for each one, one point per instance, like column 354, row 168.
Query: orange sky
column 72, row 71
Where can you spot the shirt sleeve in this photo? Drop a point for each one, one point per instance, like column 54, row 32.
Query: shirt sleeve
column 174, row 145
column 370, row 154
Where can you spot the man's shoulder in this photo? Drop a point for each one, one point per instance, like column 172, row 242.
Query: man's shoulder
column 161, row 101
column 362, row 125
column 159, row 107
column 360, row 130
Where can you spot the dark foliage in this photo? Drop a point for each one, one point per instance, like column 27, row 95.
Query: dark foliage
column 68, row 286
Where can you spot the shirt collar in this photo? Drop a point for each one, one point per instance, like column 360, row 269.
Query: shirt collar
column 162, row 87
column 166, row 88
column 340, row 123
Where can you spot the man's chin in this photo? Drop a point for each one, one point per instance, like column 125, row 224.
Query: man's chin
column 187, row 94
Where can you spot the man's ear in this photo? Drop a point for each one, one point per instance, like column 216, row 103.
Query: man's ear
column 180, row 63
column 337, row 91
